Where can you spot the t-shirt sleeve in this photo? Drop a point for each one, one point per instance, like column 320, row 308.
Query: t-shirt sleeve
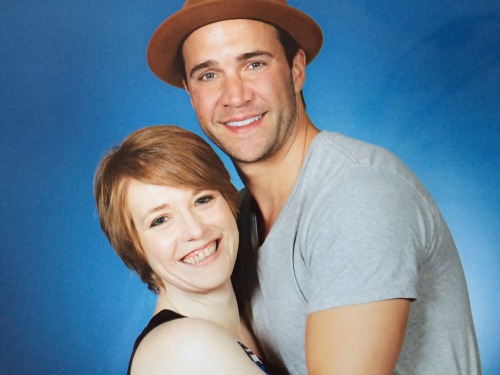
column 367, row 237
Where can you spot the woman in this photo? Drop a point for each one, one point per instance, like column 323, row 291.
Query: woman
column 168, row 208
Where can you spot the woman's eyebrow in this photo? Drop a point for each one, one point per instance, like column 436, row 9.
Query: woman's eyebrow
column 154, row 209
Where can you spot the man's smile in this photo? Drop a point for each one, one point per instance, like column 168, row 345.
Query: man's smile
column 244, row 122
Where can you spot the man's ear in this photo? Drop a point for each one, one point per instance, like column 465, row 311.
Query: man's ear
column 186, row 87
column 299, row 70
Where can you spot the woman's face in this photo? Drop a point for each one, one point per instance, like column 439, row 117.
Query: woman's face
column 189, row 237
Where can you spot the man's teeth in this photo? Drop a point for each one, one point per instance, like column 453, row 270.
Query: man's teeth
column 244, row 122
column 198, row 256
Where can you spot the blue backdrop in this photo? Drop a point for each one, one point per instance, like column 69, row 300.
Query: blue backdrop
column 421, row 78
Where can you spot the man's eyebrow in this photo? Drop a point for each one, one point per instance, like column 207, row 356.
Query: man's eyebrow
column 251, row 55
column 203, row 65
column 242, row 57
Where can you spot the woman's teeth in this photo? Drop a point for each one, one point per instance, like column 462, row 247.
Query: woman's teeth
column 248, row 121
column 200, row 255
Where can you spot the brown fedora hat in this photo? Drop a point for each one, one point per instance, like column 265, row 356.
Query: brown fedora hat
column 164, row 44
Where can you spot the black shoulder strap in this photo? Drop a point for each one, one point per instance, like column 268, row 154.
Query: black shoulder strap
column 163, row 316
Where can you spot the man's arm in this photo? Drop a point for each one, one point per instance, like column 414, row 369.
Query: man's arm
column 357, row 339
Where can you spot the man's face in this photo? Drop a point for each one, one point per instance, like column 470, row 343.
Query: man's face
column 241, row 87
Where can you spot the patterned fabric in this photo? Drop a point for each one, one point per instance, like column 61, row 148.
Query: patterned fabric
column 253, row 357
column 165, row 316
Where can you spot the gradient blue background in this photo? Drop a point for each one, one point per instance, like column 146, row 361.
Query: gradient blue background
column 421, row 78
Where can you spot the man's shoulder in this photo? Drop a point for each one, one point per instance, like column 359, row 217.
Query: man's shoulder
column 334, row 155
column 353, row 151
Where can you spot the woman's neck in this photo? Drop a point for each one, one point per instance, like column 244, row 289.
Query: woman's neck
column 218, row 306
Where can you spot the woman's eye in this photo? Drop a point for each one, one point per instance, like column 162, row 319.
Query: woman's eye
column 158, row 221
column 204, row 200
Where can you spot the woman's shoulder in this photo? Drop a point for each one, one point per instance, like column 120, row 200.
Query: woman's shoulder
column 190, row 330
column 191, row 346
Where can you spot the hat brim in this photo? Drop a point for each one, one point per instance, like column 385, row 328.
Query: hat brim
column 164, row 44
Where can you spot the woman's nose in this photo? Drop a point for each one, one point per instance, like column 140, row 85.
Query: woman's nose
column 192, row 226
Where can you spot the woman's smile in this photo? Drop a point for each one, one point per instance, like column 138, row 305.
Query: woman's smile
column 198, row 256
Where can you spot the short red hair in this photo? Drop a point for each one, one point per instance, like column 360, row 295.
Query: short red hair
column 159, row 155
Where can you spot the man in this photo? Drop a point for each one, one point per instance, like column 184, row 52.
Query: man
column 357, row 270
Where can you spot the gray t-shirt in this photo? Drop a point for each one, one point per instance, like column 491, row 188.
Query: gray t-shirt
column 359, row 227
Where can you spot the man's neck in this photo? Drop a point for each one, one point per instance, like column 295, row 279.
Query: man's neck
column 272, row 180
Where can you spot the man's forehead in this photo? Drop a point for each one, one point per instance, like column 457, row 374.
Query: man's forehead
column 232, row 25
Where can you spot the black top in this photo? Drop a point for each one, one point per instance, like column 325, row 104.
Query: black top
column 165, row 316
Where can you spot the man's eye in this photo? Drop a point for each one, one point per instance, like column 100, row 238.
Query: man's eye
column 204, row 200
column 207, row 76
column 255, row 64
column 158, row 221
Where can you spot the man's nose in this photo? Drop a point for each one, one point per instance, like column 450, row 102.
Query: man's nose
column 235, row 91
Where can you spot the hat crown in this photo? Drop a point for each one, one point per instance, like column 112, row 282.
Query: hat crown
column 163, row 49
column 193, row 3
